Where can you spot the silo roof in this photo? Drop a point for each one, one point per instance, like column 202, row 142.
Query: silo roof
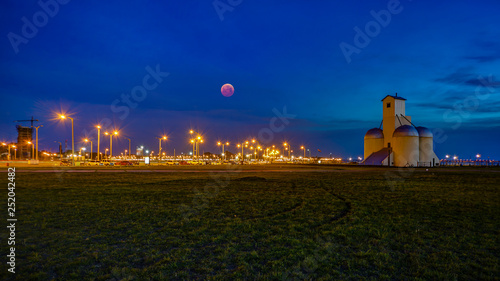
column 424, row 132
column 374, row 133
column 405, row 131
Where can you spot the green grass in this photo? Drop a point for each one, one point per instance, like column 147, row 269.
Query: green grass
column 372, row 224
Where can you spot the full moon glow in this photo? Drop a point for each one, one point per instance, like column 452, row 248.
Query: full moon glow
column 227, row 90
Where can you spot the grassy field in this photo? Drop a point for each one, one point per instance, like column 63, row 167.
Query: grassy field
column 350, row 223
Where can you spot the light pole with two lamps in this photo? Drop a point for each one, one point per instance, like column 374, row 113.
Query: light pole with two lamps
column 111, row 142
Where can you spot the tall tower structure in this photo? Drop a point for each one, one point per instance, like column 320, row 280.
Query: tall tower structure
column 393, row 114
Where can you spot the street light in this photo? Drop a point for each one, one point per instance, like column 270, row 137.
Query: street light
column 32, row 149
column 37, row 141
column 287, row 147
column 196, row 143
column 243, row 145
column 98, row 141
column 223, row 151
column 72, row 139
column 91, row 145
column 111, row 142
column 9, row 145
column 159, row 146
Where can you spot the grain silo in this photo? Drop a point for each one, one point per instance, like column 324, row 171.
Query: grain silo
column 426, row 147
column 405, row 146
column 374, row 141
column 399, row 142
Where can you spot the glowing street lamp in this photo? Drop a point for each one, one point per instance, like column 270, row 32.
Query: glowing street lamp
column 72, row 138
column 98, row 141
column 91, row 147
column 159, row 145
column 223, row 151
column 303, row 148
column 32, row 149
column 111, row 142
column 9, row 146
column 242, row 145
column 106, row 152
column 196, row 143
column 287, row 147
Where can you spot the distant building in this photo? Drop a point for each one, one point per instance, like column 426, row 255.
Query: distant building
column 24, row 135
column 399, row 143
column 139, row 151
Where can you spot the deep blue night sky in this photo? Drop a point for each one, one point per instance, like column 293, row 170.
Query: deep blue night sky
column 442, row 56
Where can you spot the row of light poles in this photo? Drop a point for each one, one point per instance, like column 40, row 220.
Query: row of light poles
column 196, row 141
column 114, row 133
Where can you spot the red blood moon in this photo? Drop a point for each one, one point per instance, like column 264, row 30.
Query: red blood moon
column 227, row 90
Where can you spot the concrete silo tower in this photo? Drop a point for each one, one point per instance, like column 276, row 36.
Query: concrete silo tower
column 393, row 114
column 427, row 157
column 374, row 141
column 405, row 146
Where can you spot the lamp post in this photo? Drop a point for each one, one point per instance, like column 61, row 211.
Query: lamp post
column 98, row 141
column 36, row 129
column 242, row 145
column 72, row 139
column 286, row 146
column 128, row 147
column 106, row 153
column 159, row 146
column 32, row 149
column 196, row 143
column 10, row 156
column 111, row 143
column 192, row 141
column 303, row 148
column 91, row 145
column 223, row 155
